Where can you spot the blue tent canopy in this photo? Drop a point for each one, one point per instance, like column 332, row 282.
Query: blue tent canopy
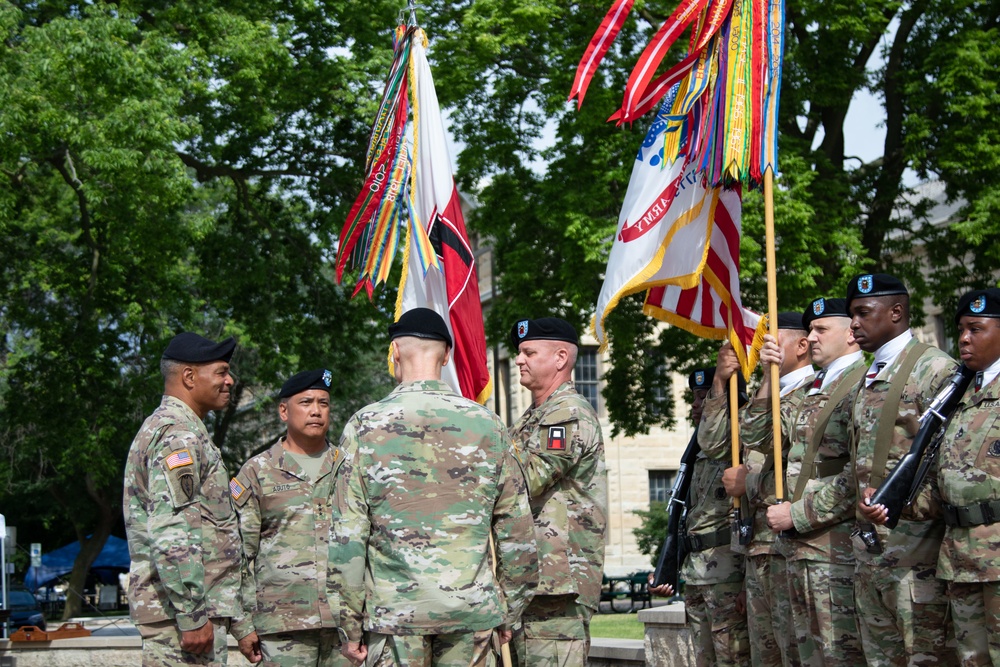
column 112, row 560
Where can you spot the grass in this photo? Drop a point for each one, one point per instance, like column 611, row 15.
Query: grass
column 617, row 626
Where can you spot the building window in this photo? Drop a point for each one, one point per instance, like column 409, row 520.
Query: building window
column 585, row 375
column 660, row 483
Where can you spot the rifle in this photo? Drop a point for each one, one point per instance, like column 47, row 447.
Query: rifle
column 903, row 484
column 672, row 552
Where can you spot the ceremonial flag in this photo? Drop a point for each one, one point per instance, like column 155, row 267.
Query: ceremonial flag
column 679, row 240
column 451, row 285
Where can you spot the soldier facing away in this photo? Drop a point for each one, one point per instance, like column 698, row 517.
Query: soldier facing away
column 429, row 478
column 183, row 533
column 559, row 439
column 283, row 500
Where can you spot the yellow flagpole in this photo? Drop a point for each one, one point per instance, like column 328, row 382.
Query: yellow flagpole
column 772, row 314
column 734, row 427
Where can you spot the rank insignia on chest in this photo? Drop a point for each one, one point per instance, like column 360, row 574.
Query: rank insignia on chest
column 179, row 458
column 557, row 438
column 236, row 490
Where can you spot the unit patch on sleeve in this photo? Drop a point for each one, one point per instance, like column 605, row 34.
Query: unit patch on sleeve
column 181, row 457
column 557, row 438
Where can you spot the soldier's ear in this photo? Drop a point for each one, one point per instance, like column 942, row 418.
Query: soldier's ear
column 189, row 376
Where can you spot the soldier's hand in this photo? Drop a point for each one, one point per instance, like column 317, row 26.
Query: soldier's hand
column 356, row 652
column 735, row 480
column 199, row 641
column 504, row 636
column 250, row 647
column 665, row 590
column 770, row 352
column 741, row 602
column 779, row 517
column 726, row 364
column 874, row 514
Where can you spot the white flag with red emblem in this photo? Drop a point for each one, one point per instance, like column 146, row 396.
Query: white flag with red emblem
column 452, row 288
column 680, row 242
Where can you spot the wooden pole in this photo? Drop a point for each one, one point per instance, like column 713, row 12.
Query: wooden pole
column 734, row 426
column 772, row 314
column 504, row 648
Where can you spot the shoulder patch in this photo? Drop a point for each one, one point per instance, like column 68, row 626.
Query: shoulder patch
column 236, row 489
column 181, row 457
column 557, row 438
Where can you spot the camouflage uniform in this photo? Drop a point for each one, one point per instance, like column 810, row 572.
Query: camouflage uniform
column 183, row 535
column 769, row 613
column 563, row 449
column 285, row 522
column 427, row 478
column 901, row 605
column 819, row 558
column 968, row 475
column 713, row 575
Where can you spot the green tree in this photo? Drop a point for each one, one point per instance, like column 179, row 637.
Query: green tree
column 169, row 166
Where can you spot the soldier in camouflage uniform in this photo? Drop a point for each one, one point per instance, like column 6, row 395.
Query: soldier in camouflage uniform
column 769, row 614
column 183, row 533
column 283, row 499
column 429, row 478
column 969, row 479
column 559, row 438
column 713, row 572
column 902, row 608
column 820, row 517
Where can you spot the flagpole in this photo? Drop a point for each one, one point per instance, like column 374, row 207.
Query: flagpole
column 772, row 315
column 734, row 428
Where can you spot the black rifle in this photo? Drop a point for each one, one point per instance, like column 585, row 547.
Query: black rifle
column 672, row 552
column 903, row 484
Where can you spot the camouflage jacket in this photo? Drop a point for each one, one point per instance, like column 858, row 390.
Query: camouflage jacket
column 969, row 473
column 428, row 478
column 758, row 437
column 709, row 509
column 285, row 523
column 562, row 447
column 824, row 515
column 916, row 540
column 183, row 533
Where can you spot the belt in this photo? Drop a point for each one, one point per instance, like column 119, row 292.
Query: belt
column 700, row 542
column 980, row 514
column 830, row 467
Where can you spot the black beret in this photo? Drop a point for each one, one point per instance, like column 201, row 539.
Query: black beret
column 701, row 378
column 979, row 303
column 420, row 323
column 874, row 284
column 195, row 349
column 300, row 382
column 544, row 328
column 790, row 319
column 823, row 307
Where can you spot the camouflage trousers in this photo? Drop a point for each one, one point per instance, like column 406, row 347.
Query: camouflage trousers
column 821, row 597
column 554, row 632
column 719, row 632
column 975, row 616
column 303, row 648
column 461, row 649
column 769, row 615
column 161, row 645
column 902, row 616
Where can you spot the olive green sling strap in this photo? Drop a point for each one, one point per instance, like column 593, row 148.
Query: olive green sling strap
column 889, row 412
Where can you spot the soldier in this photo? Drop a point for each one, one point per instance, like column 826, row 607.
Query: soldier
column 969, row 479
column 429, row 478
column 559, row 438
column 713, row 572
column 183, row 533
column 768, row 608
column 283, row 500
column 820, row 516
column 901, row 605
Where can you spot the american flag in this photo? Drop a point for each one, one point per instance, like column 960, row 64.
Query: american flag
column 178, row 459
